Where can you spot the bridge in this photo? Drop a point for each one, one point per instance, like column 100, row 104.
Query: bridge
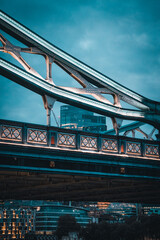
column 46, row 162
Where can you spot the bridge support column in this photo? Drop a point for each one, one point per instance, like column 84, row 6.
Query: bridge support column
column 99, row 143
column 48, row 117
column 24, row 134
column 48, row 104
column 117, row 122
column 78, row 141
column 142, row 149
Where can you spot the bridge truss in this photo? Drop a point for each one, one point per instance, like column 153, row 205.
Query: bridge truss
column 98, row 166
column 93, row 82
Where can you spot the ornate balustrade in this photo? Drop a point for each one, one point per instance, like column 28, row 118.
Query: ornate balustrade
column 33, row 134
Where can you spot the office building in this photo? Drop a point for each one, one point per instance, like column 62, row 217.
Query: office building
column 16, row 221
column 76, row 118
column 47, row 217
column 18, row 218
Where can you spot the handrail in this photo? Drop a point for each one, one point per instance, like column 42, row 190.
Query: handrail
column 34, row 134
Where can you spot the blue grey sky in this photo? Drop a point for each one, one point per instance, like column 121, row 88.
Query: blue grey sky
column 121, row 39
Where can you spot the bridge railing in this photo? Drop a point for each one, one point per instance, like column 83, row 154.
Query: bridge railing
column 53, row 137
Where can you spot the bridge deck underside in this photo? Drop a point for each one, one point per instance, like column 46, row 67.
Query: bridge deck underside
column 37, row 162
column 31, row 185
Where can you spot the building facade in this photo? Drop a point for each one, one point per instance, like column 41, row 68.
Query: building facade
column 76, row 118
column 16, row 221
column 20, row 218
column 48, row 215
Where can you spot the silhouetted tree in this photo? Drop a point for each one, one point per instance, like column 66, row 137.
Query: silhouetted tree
column 96, row 231
column 147, row 226
column 151, row 226
column 66, row 224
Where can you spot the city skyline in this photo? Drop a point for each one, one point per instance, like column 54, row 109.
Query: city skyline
column 18, row 218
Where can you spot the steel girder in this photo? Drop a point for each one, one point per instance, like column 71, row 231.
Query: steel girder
column 128, row 127
column 45, row 88
column 150, row 110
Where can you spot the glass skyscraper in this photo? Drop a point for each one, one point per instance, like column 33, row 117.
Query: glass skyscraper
column 80, row 119
column 48, row 215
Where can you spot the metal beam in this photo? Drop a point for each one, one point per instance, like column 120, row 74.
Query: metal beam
column 31, row 39
column 127, row 127
column 45, row 88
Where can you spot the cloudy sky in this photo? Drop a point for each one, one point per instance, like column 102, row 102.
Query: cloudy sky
column 121, row 39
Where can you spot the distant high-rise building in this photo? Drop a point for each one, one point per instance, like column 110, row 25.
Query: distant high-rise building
column 48, row 214
column 76, row 118
column 149, row 209
column 16, row 220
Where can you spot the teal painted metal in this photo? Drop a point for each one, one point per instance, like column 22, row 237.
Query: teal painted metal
column 127, row 127
column 75, row 172
column 42, row 87
column 33, row 147
column 29, row 38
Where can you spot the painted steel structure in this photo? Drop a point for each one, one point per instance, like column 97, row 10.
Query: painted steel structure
column 133, row 127
column 30, row 147
column 96, row 158
column 92, row 81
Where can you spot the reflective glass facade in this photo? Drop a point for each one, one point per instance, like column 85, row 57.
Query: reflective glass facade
column 76, row 118
column 47, row 217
